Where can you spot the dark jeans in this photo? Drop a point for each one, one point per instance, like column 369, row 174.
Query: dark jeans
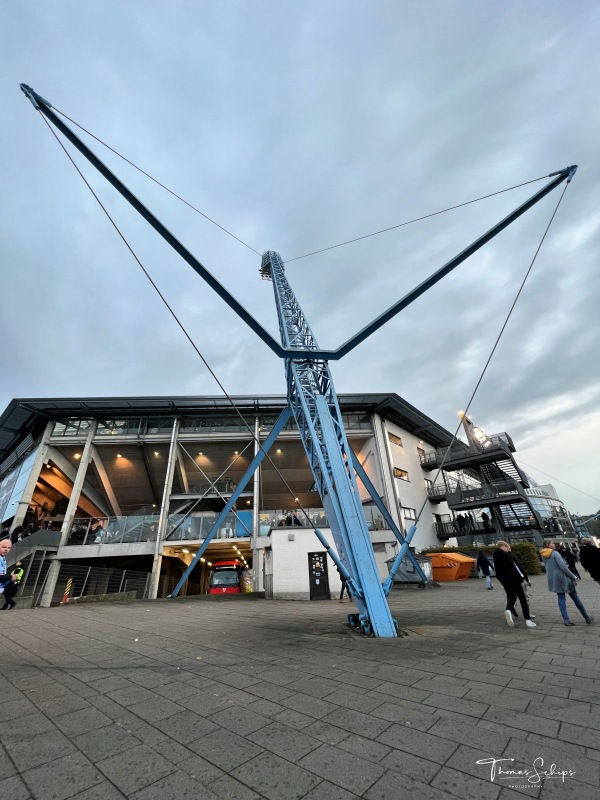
column 345, row 589
column 10, row 591
column 514, row 591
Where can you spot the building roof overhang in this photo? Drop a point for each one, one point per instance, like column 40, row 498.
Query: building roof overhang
column 28, row 416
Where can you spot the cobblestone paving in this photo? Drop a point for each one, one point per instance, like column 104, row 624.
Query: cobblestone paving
column 246, row 699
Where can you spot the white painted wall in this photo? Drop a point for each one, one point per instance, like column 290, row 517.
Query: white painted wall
column 413, row 492
column 290, row 561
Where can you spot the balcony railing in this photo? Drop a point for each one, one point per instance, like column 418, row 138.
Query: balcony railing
column 197, row 526
column 114, row 530
column 483, row 493
column 500, row 441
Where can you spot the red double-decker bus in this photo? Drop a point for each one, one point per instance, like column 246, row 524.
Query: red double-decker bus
column 225, row 577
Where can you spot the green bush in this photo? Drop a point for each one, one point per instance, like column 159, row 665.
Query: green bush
column 525, row 552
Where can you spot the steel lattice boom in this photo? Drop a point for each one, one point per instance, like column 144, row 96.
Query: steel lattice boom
column 311, row 396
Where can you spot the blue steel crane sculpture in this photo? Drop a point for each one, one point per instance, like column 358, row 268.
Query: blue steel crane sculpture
column 313, row 404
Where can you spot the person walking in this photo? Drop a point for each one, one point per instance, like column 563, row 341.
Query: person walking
column 569, row 557
column 344, row 587
column 11, row 588
column 5, row 579
column 589, row 558
column 483, row 563
column 511, row 575
column 562, row 581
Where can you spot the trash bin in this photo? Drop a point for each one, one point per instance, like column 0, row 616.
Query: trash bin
column 451, row 566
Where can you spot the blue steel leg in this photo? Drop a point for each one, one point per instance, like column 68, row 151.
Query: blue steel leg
column 349, row 529
column 285, row 415
column 387, row 517
column 398, row 560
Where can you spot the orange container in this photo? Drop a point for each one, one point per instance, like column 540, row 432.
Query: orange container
column 451, row 566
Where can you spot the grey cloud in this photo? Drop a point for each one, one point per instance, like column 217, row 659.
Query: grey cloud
column 299, row 126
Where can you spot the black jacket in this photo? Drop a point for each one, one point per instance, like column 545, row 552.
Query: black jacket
column 483, row 563
column 589, row 556
column 507, row 566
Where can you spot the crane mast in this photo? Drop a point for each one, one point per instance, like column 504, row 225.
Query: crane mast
column 312, row 399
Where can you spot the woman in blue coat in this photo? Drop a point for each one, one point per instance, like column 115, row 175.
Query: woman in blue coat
column 562, row 581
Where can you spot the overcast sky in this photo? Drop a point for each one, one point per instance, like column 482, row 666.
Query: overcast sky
column 298, row 126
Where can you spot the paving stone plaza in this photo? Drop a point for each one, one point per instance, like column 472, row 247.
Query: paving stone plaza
column 246, row 699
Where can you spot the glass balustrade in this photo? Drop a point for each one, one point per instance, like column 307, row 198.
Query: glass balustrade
column 196, row 527
column 114, row 530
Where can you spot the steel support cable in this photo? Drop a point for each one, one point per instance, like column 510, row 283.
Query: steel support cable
column 174, row 315
column 306, row 255
column 416, row 219
column 495, row 346
column 155, row 180
column 554, row 478
column 212, row 485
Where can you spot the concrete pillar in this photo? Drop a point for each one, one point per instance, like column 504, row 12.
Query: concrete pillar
column 27, row 495
column 163, row 519
column 84, row 462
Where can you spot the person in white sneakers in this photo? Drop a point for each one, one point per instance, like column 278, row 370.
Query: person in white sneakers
column 512, row 576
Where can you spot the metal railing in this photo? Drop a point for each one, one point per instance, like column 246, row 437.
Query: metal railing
column 500, row 441
column 113, row 530
column 75, row 581
column 196, row 526
column 484, row 493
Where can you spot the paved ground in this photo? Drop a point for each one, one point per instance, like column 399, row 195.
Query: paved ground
column 253, row 699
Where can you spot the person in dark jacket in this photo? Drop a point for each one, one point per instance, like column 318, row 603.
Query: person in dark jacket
column 512, row 576
column 569, row 557
column 589, row 558
column 484, row 565
column 11, row 588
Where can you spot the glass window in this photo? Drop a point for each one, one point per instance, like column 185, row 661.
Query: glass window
column 409, row 513
column 71, row 427
column 395, row 439
column 225, row 577
column 402, row 474
column 356, row 420
column 159, row 425
column 208, row 424
column 420, row 451
column 123, row 427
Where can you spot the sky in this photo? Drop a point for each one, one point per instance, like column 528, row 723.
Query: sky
column 297, row 126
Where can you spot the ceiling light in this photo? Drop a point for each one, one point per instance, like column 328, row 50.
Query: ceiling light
column 209, row 563
column 278, row 451
column 77, row 455
column 248, row 502
column 203, row 560
column 155, row 452
column 185, row 551
column 119, row 455
column 200, row 454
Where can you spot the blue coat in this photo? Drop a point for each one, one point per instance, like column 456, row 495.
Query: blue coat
column 560, row 578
